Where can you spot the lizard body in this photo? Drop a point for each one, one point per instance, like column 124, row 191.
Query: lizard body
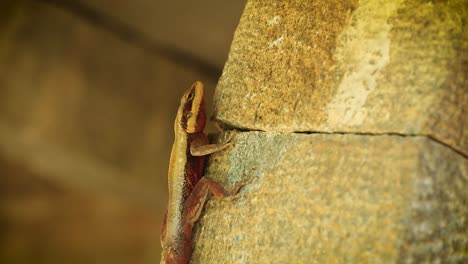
column 188, row 189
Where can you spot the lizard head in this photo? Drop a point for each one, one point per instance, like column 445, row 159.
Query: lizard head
column 192, row 109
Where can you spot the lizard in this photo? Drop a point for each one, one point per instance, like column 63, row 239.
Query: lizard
column 188, row 187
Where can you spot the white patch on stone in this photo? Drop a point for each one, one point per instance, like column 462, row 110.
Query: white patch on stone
column 277, row 42
column 274, row 21
column 364, row 54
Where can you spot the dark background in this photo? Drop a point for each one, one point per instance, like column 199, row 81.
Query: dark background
column 88, row 93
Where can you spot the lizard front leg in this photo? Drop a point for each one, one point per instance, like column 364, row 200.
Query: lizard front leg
column 200, row 146
column 195, row 202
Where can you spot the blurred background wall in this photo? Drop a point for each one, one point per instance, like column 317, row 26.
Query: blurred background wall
column 88, row 94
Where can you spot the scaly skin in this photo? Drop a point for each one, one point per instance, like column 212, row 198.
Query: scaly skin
column 188, row 189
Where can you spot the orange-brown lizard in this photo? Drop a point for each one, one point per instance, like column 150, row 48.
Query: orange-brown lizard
column 188, row 189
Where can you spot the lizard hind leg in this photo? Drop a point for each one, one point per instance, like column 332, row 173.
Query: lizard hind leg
column 196, row 200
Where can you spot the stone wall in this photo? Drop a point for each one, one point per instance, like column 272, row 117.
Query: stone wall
column 351, row 122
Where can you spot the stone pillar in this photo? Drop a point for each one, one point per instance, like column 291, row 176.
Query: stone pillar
column 350, row 120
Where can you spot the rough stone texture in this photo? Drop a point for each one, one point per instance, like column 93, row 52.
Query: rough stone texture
column 379, row 172
column 317, row 198
column 342, row 66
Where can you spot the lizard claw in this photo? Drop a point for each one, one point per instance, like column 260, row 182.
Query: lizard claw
column 227, row 138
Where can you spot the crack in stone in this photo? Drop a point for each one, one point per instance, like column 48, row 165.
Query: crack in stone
column 132, row 36
column 430, row 137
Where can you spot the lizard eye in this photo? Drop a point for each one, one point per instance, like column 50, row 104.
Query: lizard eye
column 189, row 115
column 191, row 96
